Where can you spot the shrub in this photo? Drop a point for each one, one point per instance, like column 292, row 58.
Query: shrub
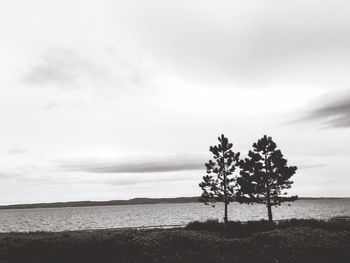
column 211, row 225
column 243, row 229
column 233, row 228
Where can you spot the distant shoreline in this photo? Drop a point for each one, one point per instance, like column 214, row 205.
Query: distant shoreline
column 134, row 201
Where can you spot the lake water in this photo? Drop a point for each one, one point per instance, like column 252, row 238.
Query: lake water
column 79, row 218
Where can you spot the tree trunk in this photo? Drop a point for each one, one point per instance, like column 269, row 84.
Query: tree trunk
column 225, row 186
column 225, row 218
column 225, row 199
column 269, row 209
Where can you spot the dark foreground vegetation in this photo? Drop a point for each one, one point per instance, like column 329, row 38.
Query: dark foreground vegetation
column 235, row 229
column 291, row 241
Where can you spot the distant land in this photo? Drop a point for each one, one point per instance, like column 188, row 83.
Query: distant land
column 134, row 201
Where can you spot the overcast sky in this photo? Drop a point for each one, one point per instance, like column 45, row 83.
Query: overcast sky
column 105, row 100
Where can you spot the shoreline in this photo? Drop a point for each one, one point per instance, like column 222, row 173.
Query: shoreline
column 134, row 201
column 335, row 219
column 297, row 241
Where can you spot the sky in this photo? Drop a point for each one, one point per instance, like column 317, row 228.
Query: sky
column 105, row 99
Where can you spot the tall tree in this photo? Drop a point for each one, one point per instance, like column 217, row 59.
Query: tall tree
column 220, row 182
column 265, row 176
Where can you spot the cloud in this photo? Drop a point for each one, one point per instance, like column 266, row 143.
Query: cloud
column 332, row 110
column 238, row 44
column 305, row 162
column 310, row 166
column 100, row 67
column 60, row 67
column 144, row 164
column 135, row 179
column 17, row 150
column 10, row 175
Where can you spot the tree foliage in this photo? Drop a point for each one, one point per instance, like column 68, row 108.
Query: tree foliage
column 265, row 176
column 220, row 182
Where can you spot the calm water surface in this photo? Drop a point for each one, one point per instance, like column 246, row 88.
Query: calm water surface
column 78, row 218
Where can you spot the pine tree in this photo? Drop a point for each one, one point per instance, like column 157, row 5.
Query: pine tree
column 265, row 176
column 220, row 183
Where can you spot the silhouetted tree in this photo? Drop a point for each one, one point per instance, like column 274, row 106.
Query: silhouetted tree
column 265, row 176
column 219, row 184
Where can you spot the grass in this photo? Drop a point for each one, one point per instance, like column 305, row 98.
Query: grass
column 291, row 241
column 244, row 229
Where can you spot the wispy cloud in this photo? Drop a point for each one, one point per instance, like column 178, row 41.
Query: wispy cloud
column 83, row 68
column 306, row 162
column 141, row 164
column 334, row 111
column 304, row 166
column 17, row 150
column 135, row 179
column 58, row 66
